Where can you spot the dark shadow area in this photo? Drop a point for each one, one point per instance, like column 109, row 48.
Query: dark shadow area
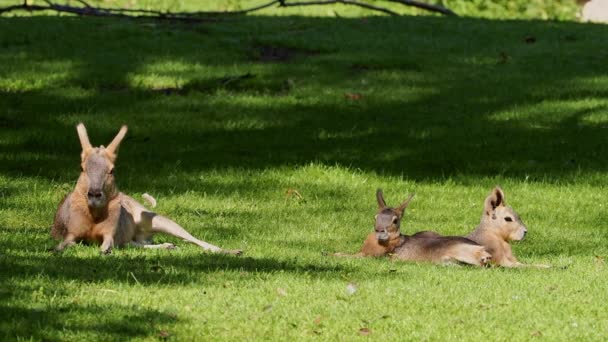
column 440, row 123
column 50, row 324
column 555, row 245
column 151, row 268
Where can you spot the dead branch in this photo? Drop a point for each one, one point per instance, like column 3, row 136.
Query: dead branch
column 345, row 2
column 89, row 10
column 23, row 6
column 422, row 5
column 199, row 16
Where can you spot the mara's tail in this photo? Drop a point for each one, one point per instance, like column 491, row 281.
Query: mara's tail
column 151, row 201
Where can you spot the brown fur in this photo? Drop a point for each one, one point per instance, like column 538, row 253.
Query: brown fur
column 442, row 249
column 59, row 230
column 372, row 247
column 422, row 246
column 499, row 225
column 96, row 212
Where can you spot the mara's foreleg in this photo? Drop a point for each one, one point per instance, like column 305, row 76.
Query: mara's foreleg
column 115, row 229
column 511, row 261
column 504, row 256
column 513, row 264
column 161, row 224
column 107, row 244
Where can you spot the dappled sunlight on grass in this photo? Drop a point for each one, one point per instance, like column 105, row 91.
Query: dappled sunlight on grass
column 279, row 115
column 25, row 74
column 554, row 113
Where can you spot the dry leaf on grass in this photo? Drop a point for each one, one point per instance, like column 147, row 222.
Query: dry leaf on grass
column 353, row 96
column 536, row 333
column 599, row 259
column 293, row 193
column 503, row 58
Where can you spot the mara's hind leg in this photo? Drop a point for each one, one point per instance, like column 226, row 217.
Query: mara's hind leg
column 161, row 224
column 166, row 245
column 449, row 261
column 348, row 255
column 470, row 254
column 485, row 257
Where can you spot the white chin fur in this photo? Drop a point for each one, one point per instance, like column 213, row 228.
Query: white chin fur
column 518, row 237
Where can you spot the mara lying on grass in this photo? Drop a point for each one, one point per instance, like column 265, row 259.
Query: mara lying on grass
column 423, row 246
column 500, row 225
column 96, row 212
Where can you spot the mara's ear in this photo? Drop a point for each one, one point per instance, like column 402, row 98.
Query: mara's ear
column 404, row 204
column 380, row 199
column 494, row 200
column 113, row 147
column 84, row 137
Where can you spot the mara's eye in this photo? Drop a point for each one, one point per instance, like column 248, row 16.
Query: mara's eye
column 111, row 171
column 508, row 219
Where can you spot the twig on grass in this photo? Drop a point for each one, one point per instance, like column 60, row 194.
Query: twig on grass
column 133, row 275
column 229, row 79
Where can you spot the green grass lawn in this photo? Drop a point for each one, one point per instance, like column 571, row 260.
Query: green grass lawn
column 333, row 108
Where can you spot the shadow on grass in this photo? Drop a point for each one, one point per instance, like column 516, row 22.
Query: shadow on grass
column 54, row 323
column 565, row 247
column 160, row 268
column 433, row 96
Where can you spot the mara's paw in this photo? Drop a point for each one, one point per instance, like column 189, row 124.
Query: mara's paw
column 168, row 245
column 485, row 259
column 237, row 252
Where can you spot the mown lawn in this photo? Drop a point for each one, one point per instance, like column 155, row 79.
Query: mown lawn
column 226, row 117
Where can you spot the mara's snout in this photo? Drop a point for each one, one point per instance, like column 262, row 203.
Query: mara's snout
column 96, row 198
column 520, row 234
column 382, row 236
